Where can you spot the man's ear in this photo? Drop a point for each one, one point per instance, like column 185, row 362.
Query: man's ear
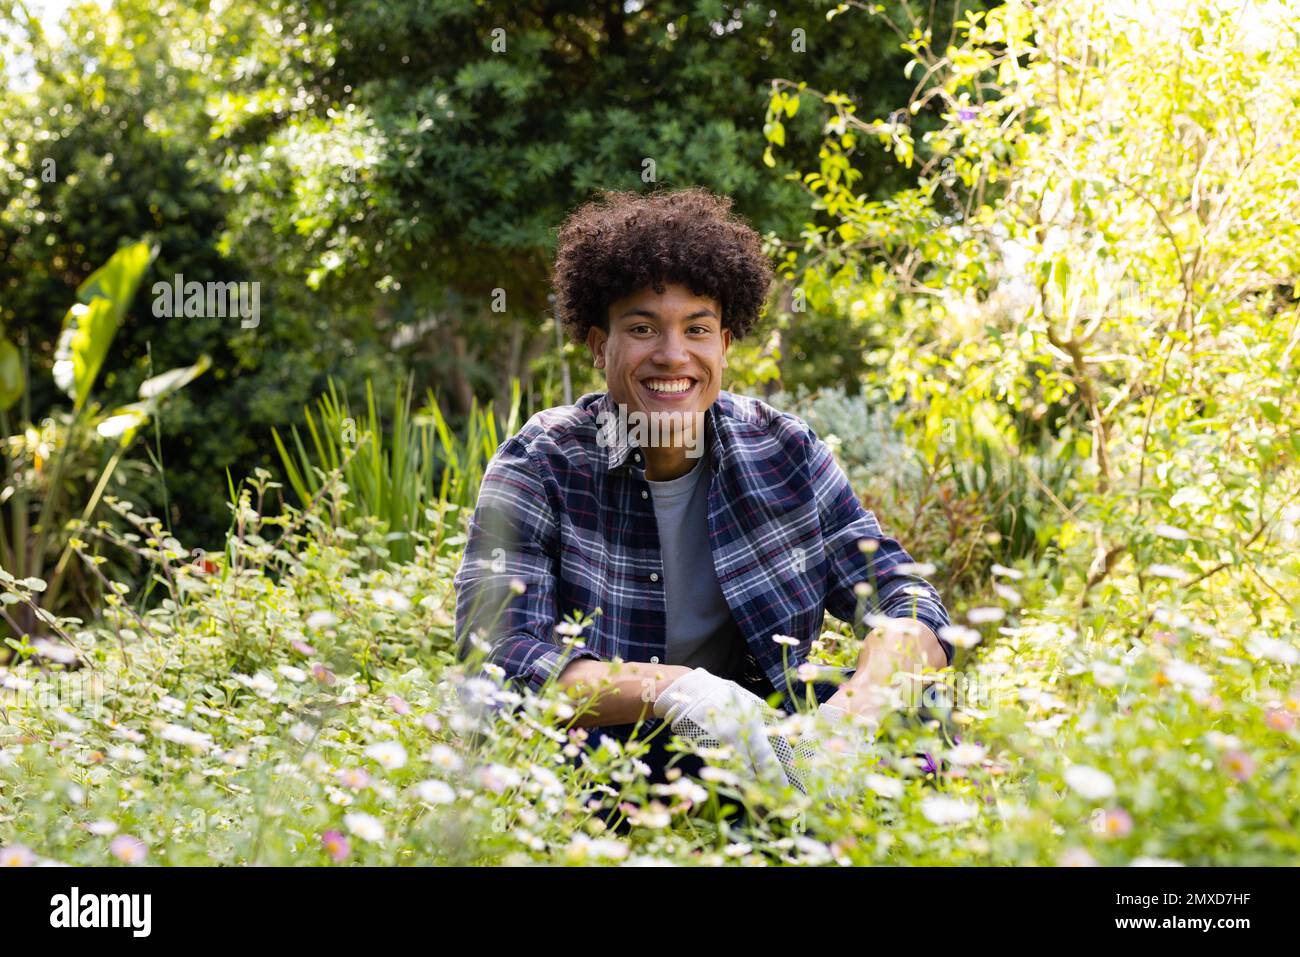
column 596, row 343
column 726, row 344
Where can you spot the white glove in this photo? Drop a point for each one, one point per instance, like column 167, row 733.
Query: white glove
column 845, row 742
column 712, row 711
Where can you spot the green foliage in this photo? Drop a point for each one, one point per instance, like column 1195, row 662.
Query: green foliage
column 48, row 473
column 403, row 473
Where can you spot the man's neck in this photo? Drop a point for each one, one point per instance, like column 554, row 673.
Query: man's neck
column 665, row 463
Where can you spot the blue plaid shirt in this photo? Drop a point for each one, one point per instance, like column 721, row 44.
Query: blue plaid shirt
column 569, row 516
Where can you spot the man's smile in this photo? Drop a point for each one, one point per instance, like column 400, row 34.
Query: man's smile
column 674, row 391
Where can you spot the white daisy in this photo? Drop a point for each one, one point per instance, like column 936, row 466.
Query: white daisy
column 364, row 826
column 1093, row 784
column 390, row 754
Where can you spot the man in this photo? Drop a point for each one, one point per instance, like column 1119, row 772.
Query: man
column 706, row 531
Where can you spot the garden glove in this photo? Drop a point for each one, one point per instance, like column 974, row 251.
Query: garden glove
column 711, row 711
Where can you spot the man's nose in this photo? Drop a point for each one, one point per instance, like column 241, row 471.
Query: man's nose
column 672, row 349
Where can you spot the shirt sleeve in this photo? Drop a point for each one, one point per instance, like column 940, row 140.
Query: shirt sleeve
column 506, row 583
column 857, row 550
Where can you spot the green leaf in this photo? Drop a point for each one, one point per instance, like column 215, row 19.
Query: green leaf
column 91, row 324
column 12, row 380
column 173, row 380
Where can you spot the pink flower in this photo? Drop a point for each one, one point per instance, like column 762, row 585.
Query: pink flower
column 303, row 648
column 336, row 845
column 128, row 849
column 354, row 778
column 398, row 705
column 1239, row 764
column 322, row 674
column 1117, row 823
column 1279, row 720
column 16, row 855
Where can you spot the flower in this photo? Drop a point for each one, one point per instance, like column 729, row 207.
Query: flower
column 398, row 705
column 1006, row 572
column 1092, row 784
column 1279, row 720
column 303, row 648
column 354, row 778
column 390, row 754
column 128, row 849
column 435, row 792
column 390, row 599
column 1116, row 822
column 966, row 754
column 16, row 855
column 885, row 787
column 1153, row 862
column 919, row 569
column 292, row 673
column 1239, row 764
column 959, row 636
column 1172, row 572
column 182, row 735
column 1076, row 857
column 322, row 619
column 945, row 810
column 1107, row 675
column 48, row 649
column 364, row 826
column 582, row 847
column 1187, row 675
column 785, row 640
column 718, row 775
column 101, row 828
column 336, row 845
column 980, row 616
column 498, row 778
column 322, row 674
column 1273, row 649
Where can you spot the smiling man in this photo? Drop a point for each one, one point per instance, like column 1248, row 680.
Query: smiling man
column 708, row 532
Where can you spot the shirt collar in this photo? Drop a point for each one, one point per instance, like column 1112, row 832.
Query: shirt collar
column 717, row 429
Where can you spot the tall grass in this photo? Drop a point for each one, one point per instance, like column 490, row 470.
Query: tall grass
column 409, row 472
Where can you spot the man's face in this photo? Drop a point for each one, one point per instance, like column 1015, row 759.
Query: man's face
column 664, row 352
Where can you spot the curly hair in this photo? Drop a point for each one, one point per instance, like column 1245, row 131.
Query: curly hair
column 627, row 241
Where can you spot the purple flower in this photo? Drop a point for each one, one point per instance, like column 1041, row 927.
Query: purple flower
column 966, row 114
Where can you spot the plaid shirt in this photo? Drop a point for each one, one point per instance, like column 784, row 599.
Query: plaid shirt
column 570, row 516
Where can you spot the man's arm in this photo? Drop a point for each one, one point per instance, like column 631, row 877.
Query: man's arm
column 506, row 583
column 616, row 693
column 859, row 553
column 513, row 544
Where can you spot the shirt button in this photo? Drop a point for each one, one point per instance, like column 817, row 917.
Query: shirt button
column 637, row 457
column 654, row 659
column 654, row 576
column 645, row 494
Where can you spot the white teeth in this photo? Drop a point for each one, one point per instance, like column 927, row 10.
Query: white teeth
column 680, row 385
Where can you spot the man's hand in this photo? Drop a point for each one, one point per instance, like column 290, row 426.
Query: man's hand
column 900, row 644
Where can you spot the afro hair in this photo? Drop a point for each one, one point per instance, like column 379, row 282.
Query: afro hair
column 626, row 241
